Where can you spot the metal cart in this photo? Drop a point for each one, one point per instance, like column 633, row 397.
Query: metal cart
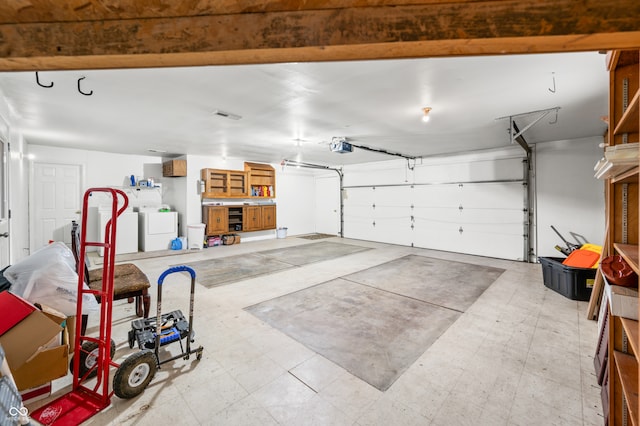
column 153, row 333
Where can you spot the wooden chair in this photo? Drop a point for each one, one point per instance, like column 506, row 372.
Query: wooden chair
column 129, row 282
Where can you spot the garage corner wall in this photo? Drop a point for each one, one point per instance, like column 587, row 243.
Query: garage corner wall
column 568, row 196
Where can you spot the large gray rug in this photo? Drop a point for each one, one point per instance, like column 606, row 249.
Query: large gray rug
column 227, row 270
column 377, row 322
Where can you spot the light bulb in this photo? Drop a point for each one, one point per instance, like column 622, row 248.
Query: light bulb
column 425, row 114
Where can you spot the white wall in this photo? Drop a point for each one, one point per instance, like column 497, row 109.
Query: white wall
column 17, row 166
column 295, row 188
column 296, row 197
column 568, row 196
column 99, row 169
column 102, row 169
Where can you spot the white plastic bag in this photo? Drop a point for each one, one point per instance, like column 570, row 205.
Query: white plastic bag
column 49, row 277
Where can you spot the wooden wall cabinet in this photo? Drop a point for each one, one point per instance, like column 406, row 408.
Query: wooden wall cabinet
column 220, row 183
column 262, row 180
column 174, row 168
column 256, row 180
column 622, row 201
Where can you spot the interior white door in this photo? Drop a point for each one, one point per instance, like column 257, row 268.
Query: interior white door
column 56, row 202
column 4, row 207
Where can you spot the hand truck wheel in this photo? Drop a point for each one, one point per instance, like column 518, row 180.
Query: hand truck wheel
column 89, row 358
column 134, row 374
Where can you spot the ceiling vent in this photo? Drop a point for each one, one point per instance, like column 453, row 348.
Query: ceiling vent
column 225, row 114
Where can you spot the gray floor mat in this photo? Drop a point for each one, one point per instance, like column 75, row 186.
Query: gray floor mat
column 215, row 272
column 372, row 328
column 310, row 253
column 227, row 270
column 315, row 236
column 453, row 285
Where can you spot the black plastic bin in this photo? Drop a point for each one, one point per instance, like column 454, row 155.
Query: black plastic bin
column 574, row 283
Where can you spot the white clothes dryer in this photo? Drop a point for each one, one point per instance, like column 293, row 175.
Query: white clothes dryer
column 156, row 229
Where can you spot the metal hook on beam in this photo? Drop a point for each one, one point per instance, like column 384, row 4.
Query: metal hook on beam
column 80, row 90
column 42, row 85
column 553, row 75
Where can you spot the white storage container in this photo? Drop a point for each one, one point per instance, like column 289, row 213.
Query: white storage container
column 195, row 235
column 281, row 232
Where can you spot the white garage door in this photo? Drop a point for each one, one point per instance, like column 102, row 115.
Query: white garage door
column 484, row 218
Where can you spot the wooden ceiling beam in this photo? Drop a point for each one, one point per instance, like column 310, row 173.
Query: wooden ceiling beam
column 39, row 39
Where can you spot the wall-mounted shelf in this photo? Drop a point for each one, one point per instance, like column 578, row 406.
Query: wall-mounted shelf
column 629, row 121
column 262, row 180
column 255, row 181
column 629, row 253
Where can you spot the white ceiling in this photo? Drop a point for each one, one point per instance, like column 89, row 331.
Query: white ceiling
column 293, row 110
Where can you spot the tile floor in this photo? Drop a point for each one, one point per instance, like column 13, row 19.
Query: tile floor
column 520, row 355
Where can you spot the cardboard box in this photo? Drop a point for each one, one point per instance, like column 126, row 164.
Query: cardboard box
column 623, row 301
column 33, row 347
column 70, row 329
column 230, row 239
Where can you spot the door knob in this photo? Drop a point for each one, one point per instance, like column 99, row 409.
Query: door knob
column 4, row 234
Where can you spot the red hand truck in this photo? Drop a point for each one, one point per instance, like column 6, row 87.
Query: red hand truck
column 82, row 402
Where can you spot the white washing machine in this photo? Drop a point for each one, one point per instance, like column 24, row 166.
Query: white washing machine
column 126, row 231
column 156, row 229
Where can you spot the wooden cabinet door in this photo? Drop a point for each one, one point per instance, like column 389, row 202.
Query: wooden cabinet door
column 252, row 218
column 216, row 183
column 216, row 218
column 268, row 217
column 238, row 184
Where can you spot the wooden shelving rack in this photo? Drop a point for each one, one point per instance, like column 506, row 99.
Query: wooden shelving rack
column 620, row 401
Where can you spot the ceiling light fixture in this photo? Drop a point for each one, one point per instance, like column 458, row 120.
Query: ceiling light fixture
column 425, row 114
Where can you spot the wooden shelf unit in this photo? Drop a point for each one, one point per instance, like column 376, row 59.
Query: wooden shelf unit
column 256, row 180
column 221, row 220
column 623, row 204
column 236, row 219
column 220, row 183
column 626, row 383
column 262, row 180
